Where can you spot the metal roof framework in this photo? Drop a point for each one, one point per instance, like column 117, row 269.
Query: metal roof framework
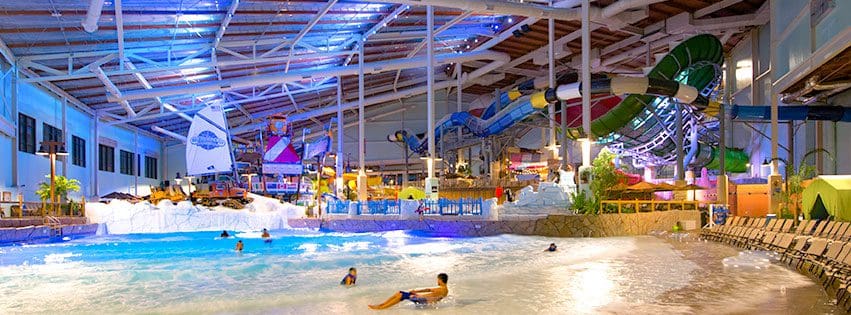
column 149, row 45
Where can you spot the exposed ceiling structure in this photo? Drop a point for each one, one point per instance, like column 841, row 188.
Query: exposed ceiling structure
column 152, row 63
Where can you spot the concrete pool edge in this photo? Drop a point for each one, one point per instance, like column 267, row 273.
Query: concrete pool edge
column 41, row 233
column 551, row 225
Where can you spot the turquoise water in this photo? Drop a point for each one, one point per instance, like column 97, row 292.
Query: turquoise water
column 299, row 272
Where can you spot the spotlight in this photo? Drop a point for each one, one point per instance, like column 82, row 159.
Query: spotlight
column 525, row 28
column 517, row 33
column 510, row 20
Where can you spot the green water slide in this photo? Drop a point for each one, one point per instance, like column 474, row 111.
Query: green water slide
column 644, row 122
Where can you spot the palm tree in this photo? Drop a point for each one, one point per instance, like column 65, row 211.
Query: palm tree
column 62, row 187
column 791, row 196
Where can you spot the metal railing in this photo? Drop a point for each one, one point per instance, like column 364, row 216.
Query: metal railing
column 636, row 206
column 463, row 206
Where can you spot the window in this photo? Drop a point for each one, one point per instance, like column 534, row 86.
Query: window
column 26, row 133
column 126, row 160
column 106, row 158
column 51, row 133
column 78, row 151
column 151, row 167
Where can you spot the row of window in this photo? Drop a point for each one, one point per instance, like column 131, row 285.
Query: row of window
column 106, row 154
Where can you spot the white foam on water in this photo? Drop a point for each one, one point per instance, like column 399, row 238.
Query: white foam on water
column 508, row 274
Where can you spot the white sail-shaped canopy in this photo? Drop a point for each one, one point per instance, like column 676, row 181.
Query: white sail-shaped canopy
column 207, row 145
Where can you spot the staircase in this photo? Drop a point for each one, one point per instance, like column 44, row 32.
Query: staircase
column 55, row 226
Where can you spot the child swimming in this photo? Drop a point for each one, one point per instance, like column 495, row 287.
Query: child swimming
column 350, row 278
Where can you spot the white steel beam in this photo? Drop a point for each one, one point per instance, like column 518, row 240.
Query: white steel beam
column 297, row 75
column 113, row 90
column 304, row 31
column 432, row 33
column 375, row 28
column 147, row 86
column 119, row 24
column 714, row 7
column 219, row 63
column 225, row 22
column 499, row 7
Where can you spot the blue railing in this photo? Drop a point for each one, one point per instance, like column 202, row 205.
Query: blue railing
column 380, row 207
column 464, row 206
column 337, row 207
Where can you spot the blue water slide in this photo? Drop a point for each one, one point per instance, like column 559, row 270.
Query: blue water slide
column 495, row 124
column 798, row 112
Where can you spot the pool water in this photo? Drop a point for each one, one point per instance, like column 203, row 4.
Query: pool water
column 299, row 273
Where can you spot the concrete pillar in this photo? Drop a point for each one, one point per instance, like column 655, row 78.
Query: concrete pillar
column 14, row 142
column 362, row 192
column 338, row 181
column 431, row 183
column 585, row 73
column 775, row 182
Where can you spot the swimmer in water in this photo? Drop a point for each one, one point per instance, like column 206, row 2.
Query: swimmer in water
column 266, row 236
column 224, row 234
column 552, row 248
column 350, row 278
column 419, row 296
column 239, row 246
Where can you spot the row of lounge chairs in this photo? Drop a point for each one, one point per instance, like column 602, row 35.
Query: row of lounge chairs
column 819, row 248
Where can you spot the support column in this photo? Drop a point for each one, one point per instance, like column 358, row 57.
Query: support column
column 96, row 154
column 820, row 144
column 458, row 108
column 65, row 136
column 338, row 181
column 585, row 169
column 775, row 181
column 14, row 142
column 551, row 108
column 362, row 193
column 431, row 183
column 679, row 137
column 136, row 163
column 721, row 186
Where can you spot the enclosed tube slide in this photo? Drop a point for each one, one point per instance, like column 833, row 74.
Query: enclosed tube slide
column 644, row 120
column 505, row 118
column 802, row 112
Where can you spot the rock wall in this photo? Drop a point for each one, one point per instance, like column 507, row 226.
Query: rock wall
column 552, row 225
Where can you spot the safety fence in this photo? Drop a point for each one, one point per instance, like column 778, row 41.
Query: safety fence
column 463, row 206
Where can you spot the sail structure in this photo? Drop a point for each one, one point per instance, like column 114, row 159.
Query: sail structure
column 208, row 144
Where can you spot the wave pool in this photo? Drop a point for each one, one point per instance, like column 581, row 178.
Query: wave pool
column 299, row 272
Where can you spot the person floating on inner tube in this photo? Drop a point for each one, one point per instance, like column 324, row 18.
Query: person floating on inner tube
column 552, row 248
column 418, row 296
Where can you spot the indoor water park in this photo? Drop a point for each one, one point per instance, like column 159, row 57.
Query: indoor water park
column 425, row 157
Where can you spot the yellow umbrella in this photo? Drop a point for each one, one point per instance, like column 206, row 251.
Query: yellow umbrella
column 413, row 192
column 642, row 186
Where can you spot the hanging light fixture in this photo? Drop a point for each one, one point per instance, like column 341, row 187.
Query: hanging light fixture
column 42, row 150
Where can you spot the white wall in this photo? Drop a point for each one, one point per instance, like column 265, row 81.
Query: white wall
column 45, row 107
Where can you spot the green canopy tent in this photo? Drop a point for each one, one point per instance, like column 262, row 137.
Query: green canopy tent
column 828, row 195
